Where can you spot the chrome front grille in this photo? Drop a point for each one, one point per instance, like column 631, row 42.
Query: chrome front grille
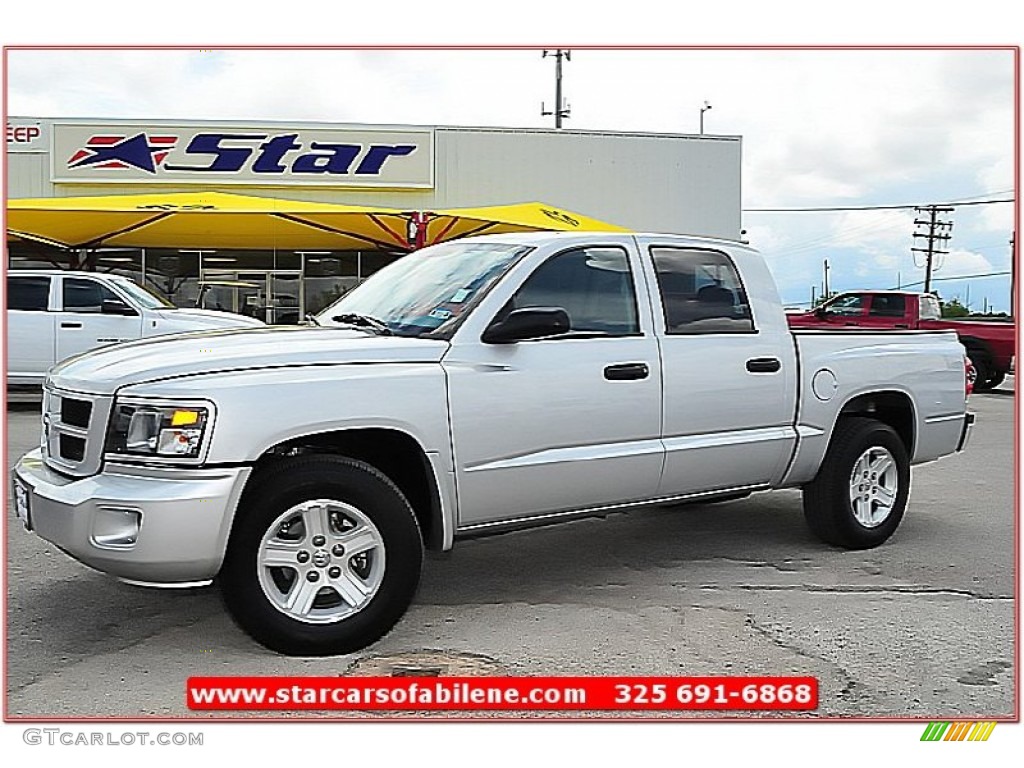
column 73, row 428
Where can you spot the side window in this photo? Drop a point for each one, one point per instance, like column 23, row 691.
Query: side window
column 701, row 292
column 28, row 293
column 887, row 305
column 82, row 295
column 593, row 285
column 847, row 305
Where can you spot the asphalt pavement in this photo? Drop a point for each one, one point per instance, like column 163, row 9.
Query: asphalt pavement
column 920, row 627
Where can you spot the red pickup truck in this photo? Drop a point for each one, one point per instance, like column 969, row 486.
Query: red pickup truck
column 990, row 343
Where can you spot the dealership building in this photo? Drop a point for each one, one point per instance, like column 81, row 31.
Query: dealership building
column 642, row 181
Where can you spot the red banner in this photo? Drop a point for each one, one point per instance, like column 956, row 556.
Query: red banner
column 510, row 694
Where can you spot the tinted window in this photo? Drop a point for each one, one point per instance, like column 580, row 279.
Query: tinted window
column 701, row 292
column 81, row 295
column 593, row 285
column 887, row 305
column 847, row 305
column 32, row 293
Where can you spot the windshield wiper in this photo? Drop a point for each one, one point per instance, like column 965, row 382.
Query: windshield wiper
column 311, row 319
column 364, row 321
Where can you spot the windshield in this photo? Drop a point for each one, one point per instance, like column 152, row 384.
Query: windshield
column 428, row 291
column 143, row 296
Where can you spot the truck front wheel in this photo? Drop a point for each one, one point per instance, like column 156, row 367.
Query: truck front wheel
column 858, row 498
column 324, row 557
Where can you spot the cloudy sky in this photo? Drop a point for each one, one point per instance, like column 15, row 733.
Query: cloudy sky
column 820, row 128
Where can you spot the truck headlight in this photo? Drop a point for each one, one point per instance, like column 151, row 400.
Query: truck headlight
column 171, row 431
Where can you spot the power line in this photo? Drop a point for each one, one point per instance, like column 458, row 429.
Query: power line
column 954, row 277
column 838, row 208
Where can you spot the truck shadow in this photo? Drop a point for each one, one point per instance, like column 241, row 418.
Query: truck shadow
column 59, row 623
column 545, row 564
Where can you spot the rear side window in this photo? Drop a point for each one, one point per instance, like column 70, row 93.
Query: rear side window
column 593, row 285
column 28, row 293
column 887, row 305
column 701, row 292
column 81, row 295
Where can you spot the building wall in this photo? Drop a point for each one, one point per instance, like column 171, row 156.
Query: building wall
column 646, row 182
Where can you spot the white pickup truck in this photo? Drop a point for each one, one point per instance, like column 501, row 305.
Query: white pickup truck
column 473, row 387
column 55, row 314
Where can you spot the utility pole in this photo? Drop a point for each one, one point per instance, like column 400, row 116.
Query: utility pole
column 705, row 108
column 824, row 294
column 561, row 108
column 937, row 235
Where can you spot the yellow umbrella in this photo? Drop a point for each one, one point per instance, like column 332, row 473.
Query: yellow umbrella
column 521, row 217
column 205, row 220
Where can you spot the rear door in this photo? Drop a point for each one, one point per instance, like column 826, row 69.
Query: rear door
column 729, row 380
column 887, row 311
column 82, row 325
column 31, row 341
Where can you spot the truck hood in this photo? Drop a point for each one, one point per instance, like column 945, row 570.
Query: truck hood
column 194, row 319
column 106, row 370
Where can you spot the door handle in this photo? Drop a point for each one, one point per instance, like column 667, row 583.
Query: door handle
column 626, row 372
column 763, row 365
column 70, row 325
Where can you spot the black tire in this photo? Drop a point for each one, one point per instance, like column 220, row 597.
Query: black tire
column 995, row 380
column 827, row 503
column 982, row 363
column 394, row 557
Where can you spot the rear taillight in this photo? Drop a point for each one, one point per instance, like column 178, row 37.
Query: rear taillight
column 970, row 374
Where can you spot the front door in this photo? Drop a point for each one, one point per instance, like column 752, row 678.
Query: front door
column 82, row 325
column 565, row 422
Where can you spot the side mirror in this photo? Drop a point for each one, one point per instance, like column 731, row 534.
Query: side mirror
column 116, row 307
column 821, row 312
column 527, row 323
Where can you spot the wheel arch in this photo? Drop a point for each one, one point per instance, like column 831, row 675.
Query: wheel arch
column 890, row 407
column 395, row 453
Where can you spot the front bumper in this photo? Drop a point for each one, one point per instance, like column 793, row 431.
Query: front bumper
column 183, row 517
column 965, row 431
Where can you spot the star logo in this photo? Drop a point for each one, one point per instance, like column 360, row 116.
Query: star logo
column 140, row 151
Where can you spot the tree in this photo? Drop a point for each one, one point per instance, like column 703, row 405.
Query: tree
column 953, row 308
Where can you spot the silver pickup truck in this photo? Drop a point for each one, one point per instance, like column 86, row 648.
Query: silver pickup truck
column 473, row 387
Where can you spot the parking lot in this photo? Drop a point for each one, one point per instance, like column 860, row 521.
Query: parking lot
column 922, row 626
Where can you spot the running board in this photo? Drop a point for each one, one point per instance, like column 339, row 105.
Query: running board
column 552, row 518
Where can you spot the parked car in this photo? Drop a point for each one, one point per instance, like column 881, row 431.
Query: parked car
column 474, row 387
column 54, row 315
column 990, row 343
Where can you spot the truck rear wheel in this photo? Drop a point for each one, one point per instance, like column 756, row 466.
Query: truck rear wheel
column 859, row 496
column 995, row 380
column 982, row 362
column 324, row 557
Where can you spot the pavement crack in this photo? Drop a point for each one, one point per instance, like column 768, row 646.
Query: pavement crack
column 59, row 668
column 850, row 686
column 856, row 589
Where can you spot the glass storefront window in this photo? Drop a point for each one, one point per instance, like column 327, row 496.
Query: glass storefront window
column 174, row 274
column 328, row 277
